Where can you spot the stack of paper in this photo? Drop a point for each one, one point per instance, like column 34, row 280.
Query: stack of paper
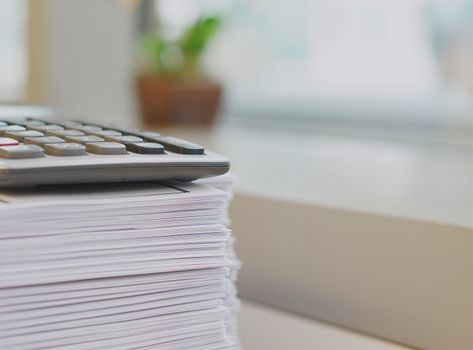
column 117, row 266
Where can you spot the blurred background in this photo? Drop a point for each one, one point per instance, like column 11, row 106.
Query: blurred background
column 369, row 64
column 349, row 126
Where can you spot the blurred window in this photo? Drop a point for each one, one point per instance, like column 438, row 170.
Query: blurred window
column 13, row 60
column 343, row 58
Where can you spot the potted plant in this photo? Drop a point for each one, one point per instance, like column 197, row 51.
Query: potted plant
column 171, row 87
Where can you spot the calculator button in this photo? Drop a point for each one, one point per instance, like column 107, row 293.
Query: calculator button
column 64, row 133
column 6, row 128
column 93, row 126
column 6, row 141
column 21, row 151
column 145, row 148
column 41, row 141
column 176, row 145
column 84, row 139
column 86, row 128
column 123, row 139
column 45, row 128
column 106, row 148
column 150, row 134
column 20, row 135
column 89, row 127
column 104, row 133
column 29, row 123
column 64, row 149
column 129, row 131
column 69, row 124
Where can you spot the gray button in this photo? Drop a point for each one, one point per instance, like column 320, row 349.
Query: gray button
column 21, row 151
column 68, row 124
column 150, row 134
column 145, row 148
column 64, row 133
column 45, row 128
column 104, row 133
column 128, row 131
column 64, row 149
column 41, row 141
column 84, row 139
column 86, row 128
column 29, row 123
column 20, row 135
column 6, row 128
column 123, row 139
column 173, row 144
column 106, row 148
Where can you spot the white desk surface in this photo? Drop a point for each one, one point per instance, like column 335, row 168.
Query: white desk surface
column 402, row 179
column 264, row 328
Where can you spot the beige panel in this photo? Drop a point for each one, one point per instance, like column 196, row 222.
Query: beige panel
column 265, row 328
column 403, row 280
column 36, row 30
column 81, row 58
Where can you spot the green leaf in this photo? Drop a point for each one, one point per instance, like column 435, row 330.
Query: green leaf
column 180, row 58
column 151, row 48
column 195, row 39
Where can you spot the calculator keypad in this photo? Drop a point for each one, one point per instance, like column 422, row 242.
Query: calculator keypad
column 64, row 133
column 176, row 145
column 30, row 123
column 109, row 148
column 20, row 135
column 64, row 149
column 33, row 138
column 21, row 151
column 123, row 139
column 145, row 147
column 104, row 133
column 5, row 128
column 41, row 141
column 45, row 128
column 84, row 139
column 84, row 128
column 6, row 141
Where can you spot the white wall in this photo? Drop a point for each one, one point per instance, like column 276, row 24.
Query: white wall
column 12, row 49
column 81, row 57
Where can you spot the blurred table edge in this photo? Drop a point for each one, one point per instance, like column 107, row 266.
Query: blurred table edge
column 265, row 328
column 404, row 180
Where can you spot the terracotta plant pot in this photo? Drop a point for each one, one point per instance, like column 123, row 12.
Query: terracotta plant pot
column 173, row 102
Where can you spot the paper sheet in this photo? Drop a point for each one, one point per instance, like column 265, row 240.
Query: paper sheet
column 117, row 266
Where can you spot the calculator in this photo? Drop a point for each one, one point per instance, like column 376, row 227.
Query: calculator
column 38, row 148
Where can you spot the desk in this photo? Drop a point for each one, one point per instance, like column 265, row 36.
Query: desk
column 370, row 234
column 265, row 328
column 425, row 182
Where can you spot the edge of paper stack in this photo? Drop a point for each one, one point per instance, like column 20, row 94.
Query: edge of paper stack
column 118, row 266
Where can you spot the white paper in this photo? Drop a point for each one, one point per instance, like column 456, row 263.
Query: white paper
column 117, row 266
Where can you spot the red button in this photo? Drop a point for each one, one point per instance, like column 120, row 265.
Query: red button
column 6, row 141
